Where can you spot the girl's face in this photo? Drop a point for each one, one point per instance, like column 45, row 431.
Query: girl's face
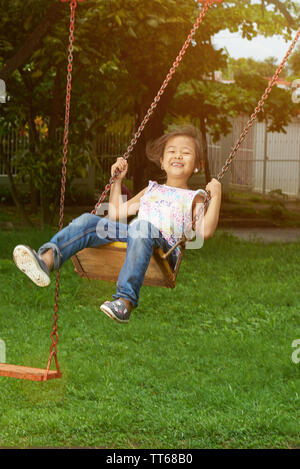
column 179, row 159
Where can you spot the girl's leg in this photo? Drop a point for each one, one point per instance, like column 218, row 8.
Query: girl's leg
column 85, row 231
column 141, row 240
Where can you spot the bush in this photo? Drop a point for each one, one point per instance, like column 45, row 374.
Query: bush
column 5, row 195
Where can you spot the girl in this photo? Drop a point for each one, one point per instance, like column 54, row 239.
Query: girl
column 165, row 213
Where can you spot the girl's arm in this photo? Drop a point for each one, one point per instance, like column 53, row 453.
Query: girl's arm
column 211, row 217
column 117, row 209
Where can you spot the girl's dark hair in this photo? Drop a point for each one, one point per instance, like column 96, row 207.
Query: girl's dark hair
column 155, row 149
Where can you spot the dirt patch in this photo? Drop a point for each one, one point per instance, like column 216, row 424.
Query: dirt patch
column 266, row 235
column 252, row 211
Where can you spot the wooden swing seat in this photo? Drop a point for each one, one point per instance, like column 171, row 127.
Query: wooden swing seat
column 25, row 372
column 105, row 263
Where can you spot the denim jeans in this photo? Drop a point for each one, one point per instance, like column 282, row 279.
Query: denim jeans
column 91, row 230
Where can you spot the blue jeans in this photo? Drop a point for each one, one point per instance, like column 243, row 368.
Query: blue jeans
column 91, row 230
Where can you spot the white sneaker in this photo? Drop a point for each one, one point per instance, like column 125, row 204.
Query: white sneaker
column 27, row 260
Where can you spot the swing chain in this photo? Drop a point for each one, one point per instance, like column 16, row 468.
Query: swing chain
column 252, row 118
column 54, row 333
column 182, row 241
column 156, row 99
column 258, row 108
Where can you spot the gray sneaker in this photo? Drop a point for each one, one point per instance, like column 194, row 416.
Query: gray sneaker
column 27, row 260
column 116, row 310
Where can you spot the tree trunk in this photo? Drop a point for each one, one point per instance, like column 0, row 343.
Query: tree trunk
column 33, row 42
column 143, row 169
column 34, row 198
column 55, row 106
column 205, row 149
column 14, row 193
column 47, row 213
column 50, row 199
column 283, row 9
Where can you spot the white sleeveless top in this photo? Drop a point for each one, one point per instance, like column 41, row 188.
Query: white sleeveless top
column 169, row 209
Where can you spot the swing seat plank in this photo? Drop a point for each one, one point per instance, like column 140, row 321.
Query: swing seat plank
column 25, row 372
column 105, row 263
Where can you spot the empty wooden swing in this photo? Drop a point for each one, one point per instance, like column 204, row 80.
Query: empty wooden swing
column 105, row 262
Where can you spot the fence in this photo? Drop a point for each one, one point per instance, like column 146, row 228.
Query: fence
column 10, row 144
column 276, row 160
column 109, row 147
column 265, row 161
column 242, row 166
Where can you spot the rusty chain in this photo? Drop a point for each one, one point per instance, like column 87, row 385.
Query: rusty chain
column 156, row 99
column 54, row 333
column 236, row 147
column 73, row 5
column 258, row 108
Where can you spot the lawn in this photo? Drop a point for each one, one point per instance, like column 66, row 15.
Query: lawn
column 206, row 365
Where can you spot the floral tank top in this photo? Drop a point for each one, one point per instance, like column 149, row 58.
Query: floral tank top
column 169, row 209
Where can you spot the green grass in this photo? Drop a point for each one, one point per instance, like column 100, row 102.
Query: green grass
column 206, row 365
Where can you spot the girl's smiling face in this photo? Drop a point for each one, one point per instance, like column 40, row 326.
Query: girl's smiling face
column 179, row 158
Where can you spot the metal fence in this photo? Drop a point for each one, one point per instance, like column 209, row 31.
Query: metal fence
column 276, row 160
column 265, row 161
column 10, row 143
column 109, row 147
column 242, row 166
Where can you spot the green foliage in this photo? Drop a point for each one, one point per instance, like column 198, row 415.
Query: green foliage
column 294, row 62
column 121, row 55
column 206, row 365
column 265, row 68
column 43, row 165
column 278, row 108
column 215, row 102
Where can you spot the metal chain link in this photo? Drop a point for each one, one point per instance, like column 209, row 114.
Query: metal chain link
column 156, row 99
column 258, row 108
column 54, row 333
column 236, row 147
column 254, row 115
column 73, row 4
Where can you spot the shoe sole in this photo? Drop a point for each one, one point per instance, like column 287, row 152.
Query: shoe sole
column 27, row 263
column 111, row 315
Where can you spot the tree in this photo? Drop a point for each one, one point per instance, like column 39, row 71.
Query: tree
column 294, row 63
column 23, row 51
column 264, row 68
column 123, row 51
column 279, row 107
column 37, row 91
column 154, row 25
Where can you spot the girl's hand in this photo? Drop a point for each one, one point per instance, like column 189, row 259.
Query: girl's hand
column 122, row 165
column 214, row 188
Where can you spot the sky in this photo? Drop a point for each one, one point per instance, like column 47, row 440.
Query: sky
column 258, row 48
